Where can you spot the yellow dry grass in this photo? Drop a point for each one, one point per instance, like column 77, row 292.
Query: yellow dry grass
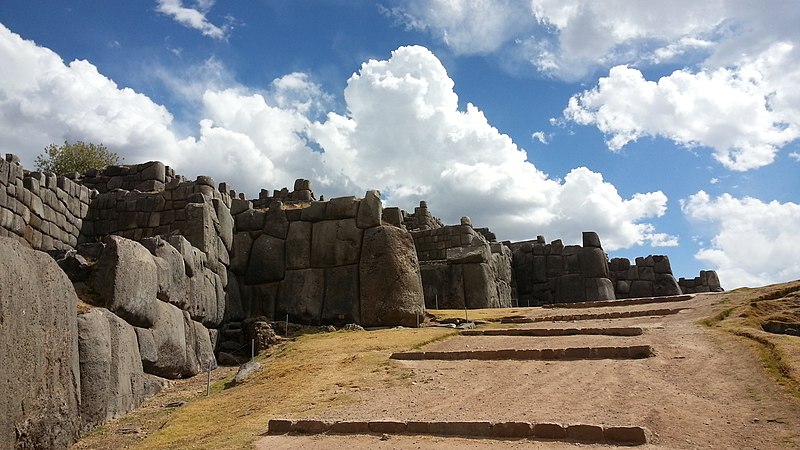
column 302, row 377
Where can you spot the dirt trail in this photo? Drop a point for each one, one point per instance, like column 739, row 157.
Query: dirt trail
column 702, row 389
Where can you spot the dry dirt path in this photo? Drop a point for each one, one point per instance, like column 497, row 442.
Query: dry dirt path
column 702, row 389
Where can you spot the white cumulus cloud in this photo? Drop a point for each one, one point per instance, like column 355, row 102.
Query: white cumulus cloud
column 740, row 59
column 44, row 101
column 194, row 18
column 755, row 243
column 541, row 137
column 405, row 134
column 468, row 26
column 733, row 111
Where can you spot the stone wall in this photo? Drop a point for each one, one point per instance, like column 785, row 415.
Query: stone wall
column 421, row 219
column 174, row 207
column 555, row 273
column 145, row 177
column 708, row 281
column 298, row 196
column 311, row 263
column 461, row 269
column 45, row 210
column 650, row 276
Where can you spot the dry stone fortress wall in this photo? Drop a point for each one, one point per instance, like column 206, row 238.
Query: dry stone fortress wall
column 555, row 273
column 167, row 271
column 461, row 269
column 45, row 210
column 708, row 281
column 329, row 262
column 650, row 276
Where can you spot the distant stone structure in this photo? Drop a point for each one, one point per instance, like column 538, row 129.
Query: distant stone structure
column 555, row 273
column 650, row 276
column 460, row 268
column 708, row 281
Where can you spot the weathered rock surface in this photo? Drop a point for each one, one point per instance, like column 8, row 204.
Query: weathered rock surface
column 173, row 286
column 40, row 375
column 335, row 243
column 341, row 304
column 167, row 356
column 176, row 346
column 298, row 245
column 112, row 379
column 370, row 210
column 301, row 294
column 391, row 288
column 245, row 371
column 126, row 277
column 443, row 285
column 267, row 260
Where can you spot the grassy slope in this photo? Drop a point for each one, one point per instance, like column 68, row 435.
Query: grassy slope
column 746, row 309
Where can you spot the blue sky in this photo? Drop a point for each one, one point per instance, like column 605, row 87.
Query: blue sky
column 668, row 129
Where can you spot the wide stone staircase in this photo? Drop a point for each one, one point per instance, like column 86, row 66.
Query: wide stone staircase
column 550, row 374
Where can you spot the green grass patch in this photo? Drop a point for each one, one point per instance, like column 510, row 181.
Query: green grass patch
column 773, row 360
column 722, row 315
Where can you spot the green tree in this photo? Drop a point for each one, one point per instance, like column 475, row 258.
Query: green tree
column 78, row 157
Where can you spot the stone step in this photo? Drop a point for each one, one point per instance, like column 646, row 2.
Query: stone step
column 623, row 302
column 595, row 316
column 546, row 354
column 618, row 331
column 590, row 434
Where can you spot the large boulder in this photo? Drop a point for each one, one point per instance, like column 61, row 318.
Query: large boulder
column 233, row 300
column 260, row 299
column 298, row 245
column 240, row 254
column 225, row 221
column 126, row 278
column 173, row 283
column 112, row 379
column 199, row 351
column 477, row 252
column 164, row 350
column 391, row 288
column 370, row 210
column 300, row 296
column 570, row 289
column 206, row 298
column 665, row 285
column 480, row 290
column 593, row 263
column 176, row 346
column 335, row 242
column 443, row 285
column 267, row 261
column 341, row 295
column 39, row 343
column 275, row 222
column 599, row 289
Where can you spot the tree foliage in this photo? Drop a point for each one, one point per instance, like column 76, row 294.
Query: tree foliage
column 78, row 157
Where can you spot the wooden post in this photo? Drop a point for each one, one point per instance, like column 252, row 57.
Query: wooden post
column 208, row 381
